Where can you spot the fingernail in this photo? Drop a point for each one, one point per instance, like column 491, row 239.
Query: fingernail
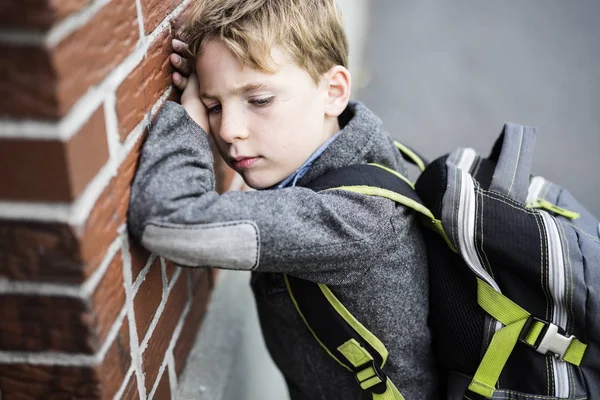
column 176, row 78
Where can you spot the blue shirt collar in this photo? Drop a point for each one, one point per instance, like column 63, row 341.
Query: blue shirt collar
column 299, row 173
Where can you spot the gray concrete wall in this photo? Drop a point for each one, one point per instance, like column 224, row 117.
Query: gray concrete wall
column 449, row 73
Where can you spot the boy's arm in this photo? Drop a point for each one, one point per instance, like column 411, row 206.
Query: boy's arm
column 175, row 212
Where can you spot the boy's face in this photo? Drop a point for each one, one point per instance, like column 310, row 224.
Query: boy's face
column 264, row 125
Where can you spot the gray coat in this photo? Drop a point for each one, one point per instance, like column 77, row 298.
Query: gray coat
column 369, row 250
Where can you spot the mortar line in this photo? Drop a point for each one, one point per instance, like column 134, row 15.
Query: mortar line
column 111, row 122
column 142, row 275
column 140, row 18
column 163, row 273
column 136, row 356
column 121, row 390
column 172, row 342
column 159, row 312
column 172, row 374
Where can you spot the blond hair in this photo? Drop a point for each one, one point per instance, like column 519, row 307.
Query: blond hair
column 310, row 30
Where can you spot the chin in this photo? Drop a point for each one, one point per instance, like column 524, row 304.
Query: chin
column 258, row 183
column 258, row 180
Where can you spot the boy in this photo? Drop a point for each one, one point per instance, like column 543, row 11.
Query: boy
column 272, row 89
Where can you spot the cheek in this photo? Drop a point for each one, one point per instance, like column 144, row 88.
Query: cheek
column 220, row 146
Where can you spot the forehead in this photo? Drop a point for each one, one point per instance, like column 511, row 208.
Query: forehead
column 219, row 69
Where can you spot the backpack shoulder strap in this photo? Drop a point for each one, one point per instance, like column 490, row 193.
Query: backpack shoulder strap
column 372, row 179
column 381, row 181
column 342, row 336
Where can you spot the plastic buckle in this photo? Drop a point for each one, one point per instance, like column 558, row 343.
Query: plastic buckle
column 551, row 339
column 379, row 388
column 554, row 342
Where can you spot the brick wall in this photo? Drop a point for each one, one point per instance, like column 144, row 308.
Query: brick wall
column 84, row 312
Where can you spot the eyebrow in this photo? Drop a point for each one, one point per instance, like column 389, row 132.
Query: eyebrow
column 237, row 91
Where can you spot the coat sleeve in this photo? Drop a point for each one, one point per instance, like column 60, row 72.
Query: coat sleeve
column 176, row 213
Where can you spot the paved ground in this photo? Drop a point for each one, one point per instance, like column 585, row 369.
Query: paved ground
column 449, row 73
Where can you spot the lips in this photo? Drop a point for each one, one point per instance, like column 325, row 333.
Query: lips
column 244, row 162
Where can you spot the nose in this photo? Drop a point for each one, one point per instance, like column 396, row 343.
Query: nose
column 233, row 125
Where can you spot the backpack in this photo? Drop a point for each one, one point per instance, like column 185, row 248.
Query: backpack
column 514, row 270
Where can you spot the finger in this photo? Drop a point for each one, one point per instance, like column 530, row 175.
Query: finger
column 180, row 47
column 180, row 64
column 179, row 81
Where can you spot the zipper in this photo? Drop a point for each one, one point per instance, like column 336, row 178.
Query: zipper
column 557, row 285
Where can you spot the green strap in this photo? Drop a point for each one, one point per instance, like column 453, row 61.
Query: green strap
column 367, row 377
column 371, row 339
column 427, row 217
column 411, row 155
column 513, row 317
column 394, row 172
column 352, row 350
column 546, row 205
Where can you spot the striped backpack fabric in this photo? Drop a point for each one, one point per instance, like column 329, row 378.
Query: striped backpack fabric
column 515, row 307
column 514, row 269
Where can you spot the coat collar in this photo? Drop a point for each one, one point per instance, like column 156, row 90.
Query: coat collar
column 361, row 140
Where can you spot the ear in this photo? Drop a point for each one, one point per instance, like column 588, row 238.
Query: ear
column 338, row 85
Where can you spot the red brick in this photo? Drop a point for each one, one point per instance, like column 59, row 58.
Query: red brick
column 34, row 323
column 109, row 297
column 32, row 382
column 163, row 391
column 57, row 252
column 113, row 369
column 45, row 83
column 38, row 323
column 144, row 86
column 29, row 80
column 202, row 292
column 139, row 258
column 109, row 212
column 155, row 352
column 125, row 174
column 148, row 298
column 131, row 389
column 52, row 170
column 39, row 251
column 38, row 14
column 155, row 11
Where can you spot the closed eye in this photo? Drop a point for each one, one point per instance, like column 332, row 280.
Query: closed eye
column 263, row 102
column 214, row 109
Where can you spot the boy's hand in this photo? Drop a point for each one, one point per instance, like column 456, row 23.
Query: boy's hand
column 181, row 63
column 185, row 79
